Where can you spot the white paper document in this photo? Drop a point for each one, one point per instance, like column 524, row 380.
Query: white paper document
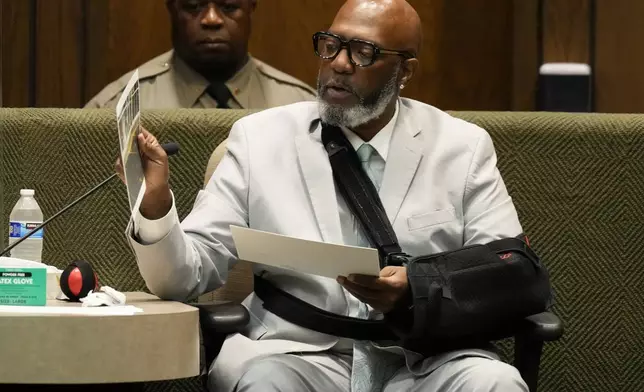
column 127, row 310
column 312, row 257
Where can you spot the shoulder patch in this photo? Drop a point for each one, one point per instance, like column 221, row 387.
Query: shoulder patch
column 282, row 77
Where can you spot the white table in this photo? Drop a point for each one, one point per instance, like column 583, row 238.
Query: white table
column 161, row 343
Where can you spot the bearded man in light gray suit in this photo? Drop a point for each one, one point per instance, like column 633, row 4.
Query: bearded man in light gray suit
column 437, row 179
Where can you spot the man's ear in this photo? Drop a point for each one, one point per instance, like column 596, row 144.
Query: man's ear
column 409, row 68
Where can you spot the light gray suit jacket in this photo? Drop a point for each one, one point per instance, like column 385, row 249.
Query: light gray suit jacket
column 441, row 190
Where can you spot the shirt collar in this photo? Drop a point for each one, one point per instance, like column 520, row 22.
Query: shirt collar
column 239, row 83
column 380, row 142
column 196, row 84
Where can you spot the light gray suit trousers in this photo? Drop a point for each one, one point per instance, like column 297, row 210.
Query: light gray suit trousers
column 331, row 372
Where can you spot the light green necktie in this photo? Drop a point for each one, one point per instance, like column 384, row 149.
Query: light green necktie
column 366, row 154
column 371, row 367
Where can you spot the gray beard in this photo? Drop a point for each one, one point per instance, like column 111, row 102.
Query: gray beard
column 362, row 112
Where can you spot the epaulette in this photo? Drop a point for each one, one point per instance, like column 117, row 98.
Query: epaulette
column 156, row 66
column 150, row 69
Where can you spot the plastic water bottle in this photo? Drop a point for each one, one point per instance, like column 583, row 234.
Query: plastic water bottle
column 25, row 216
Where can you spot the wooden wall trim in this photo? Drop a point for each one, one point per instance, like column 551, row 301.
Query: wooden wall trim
column 592, row 52
column 525, row 53
column 16, row 33
column 58, row 53
column 122, row 35
column 96, row 72
column 1, row 49
column 33, row 55
column 83, row 40
column 566, row 31
column 619, row 56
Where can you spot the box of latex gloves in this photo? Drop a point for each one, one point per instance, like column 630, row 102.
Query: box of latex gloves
column 26, row 282
column 23, row 286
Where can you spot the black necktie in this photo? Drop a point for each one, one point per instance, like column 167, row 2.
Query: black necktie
column 220, row 93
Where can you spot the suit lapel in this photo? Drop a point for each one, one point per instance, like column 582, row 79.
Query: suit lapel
column 402, row 162
column 318, row 177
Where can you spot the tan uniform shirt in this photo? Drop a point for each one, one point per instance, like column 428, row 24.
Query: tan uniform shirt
column 166, row 82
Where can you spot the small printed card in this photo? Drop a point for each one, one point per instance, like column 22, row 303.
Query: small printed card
column 128, row 119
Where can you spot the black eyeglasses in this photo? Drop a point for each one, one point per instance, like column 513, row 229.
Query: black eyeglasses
column 361, row 53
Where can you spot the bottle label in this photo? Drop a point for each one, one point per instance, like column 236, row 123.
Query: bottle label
column 20, row 229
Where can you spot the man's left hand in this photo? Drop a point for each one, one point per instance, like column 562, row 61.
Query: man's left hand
column 384, row 292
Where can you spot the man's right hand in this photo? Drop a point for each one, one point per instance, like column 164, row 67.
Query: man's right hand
column 157, row 200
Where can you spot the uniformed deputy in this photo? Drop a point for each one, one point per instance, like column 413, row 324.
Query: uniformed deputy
column 209, row 67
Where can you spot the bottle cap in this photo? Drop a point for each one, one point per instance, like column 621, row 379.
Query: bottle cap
column 27, row 192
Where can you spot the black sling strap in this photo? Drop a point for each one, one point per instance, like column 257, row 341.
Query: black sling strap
column 363, row 200
column 361, row 195
column 301, row 313
column 449, row 309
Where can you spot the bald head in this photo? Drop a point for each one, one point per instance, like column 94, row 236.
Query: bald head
column 394, row 24
column 358, row 86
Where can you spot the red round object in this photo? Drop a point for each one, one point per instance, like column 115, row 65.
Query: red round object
column 75, row 281
column 78, row 279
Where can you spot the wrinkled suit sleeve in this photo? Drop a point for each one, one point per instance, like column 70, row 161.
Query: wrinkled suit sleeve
column 196, row 255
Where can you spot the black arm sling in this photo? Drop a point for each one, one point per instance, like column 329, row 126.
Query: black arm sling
column 470, row 293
